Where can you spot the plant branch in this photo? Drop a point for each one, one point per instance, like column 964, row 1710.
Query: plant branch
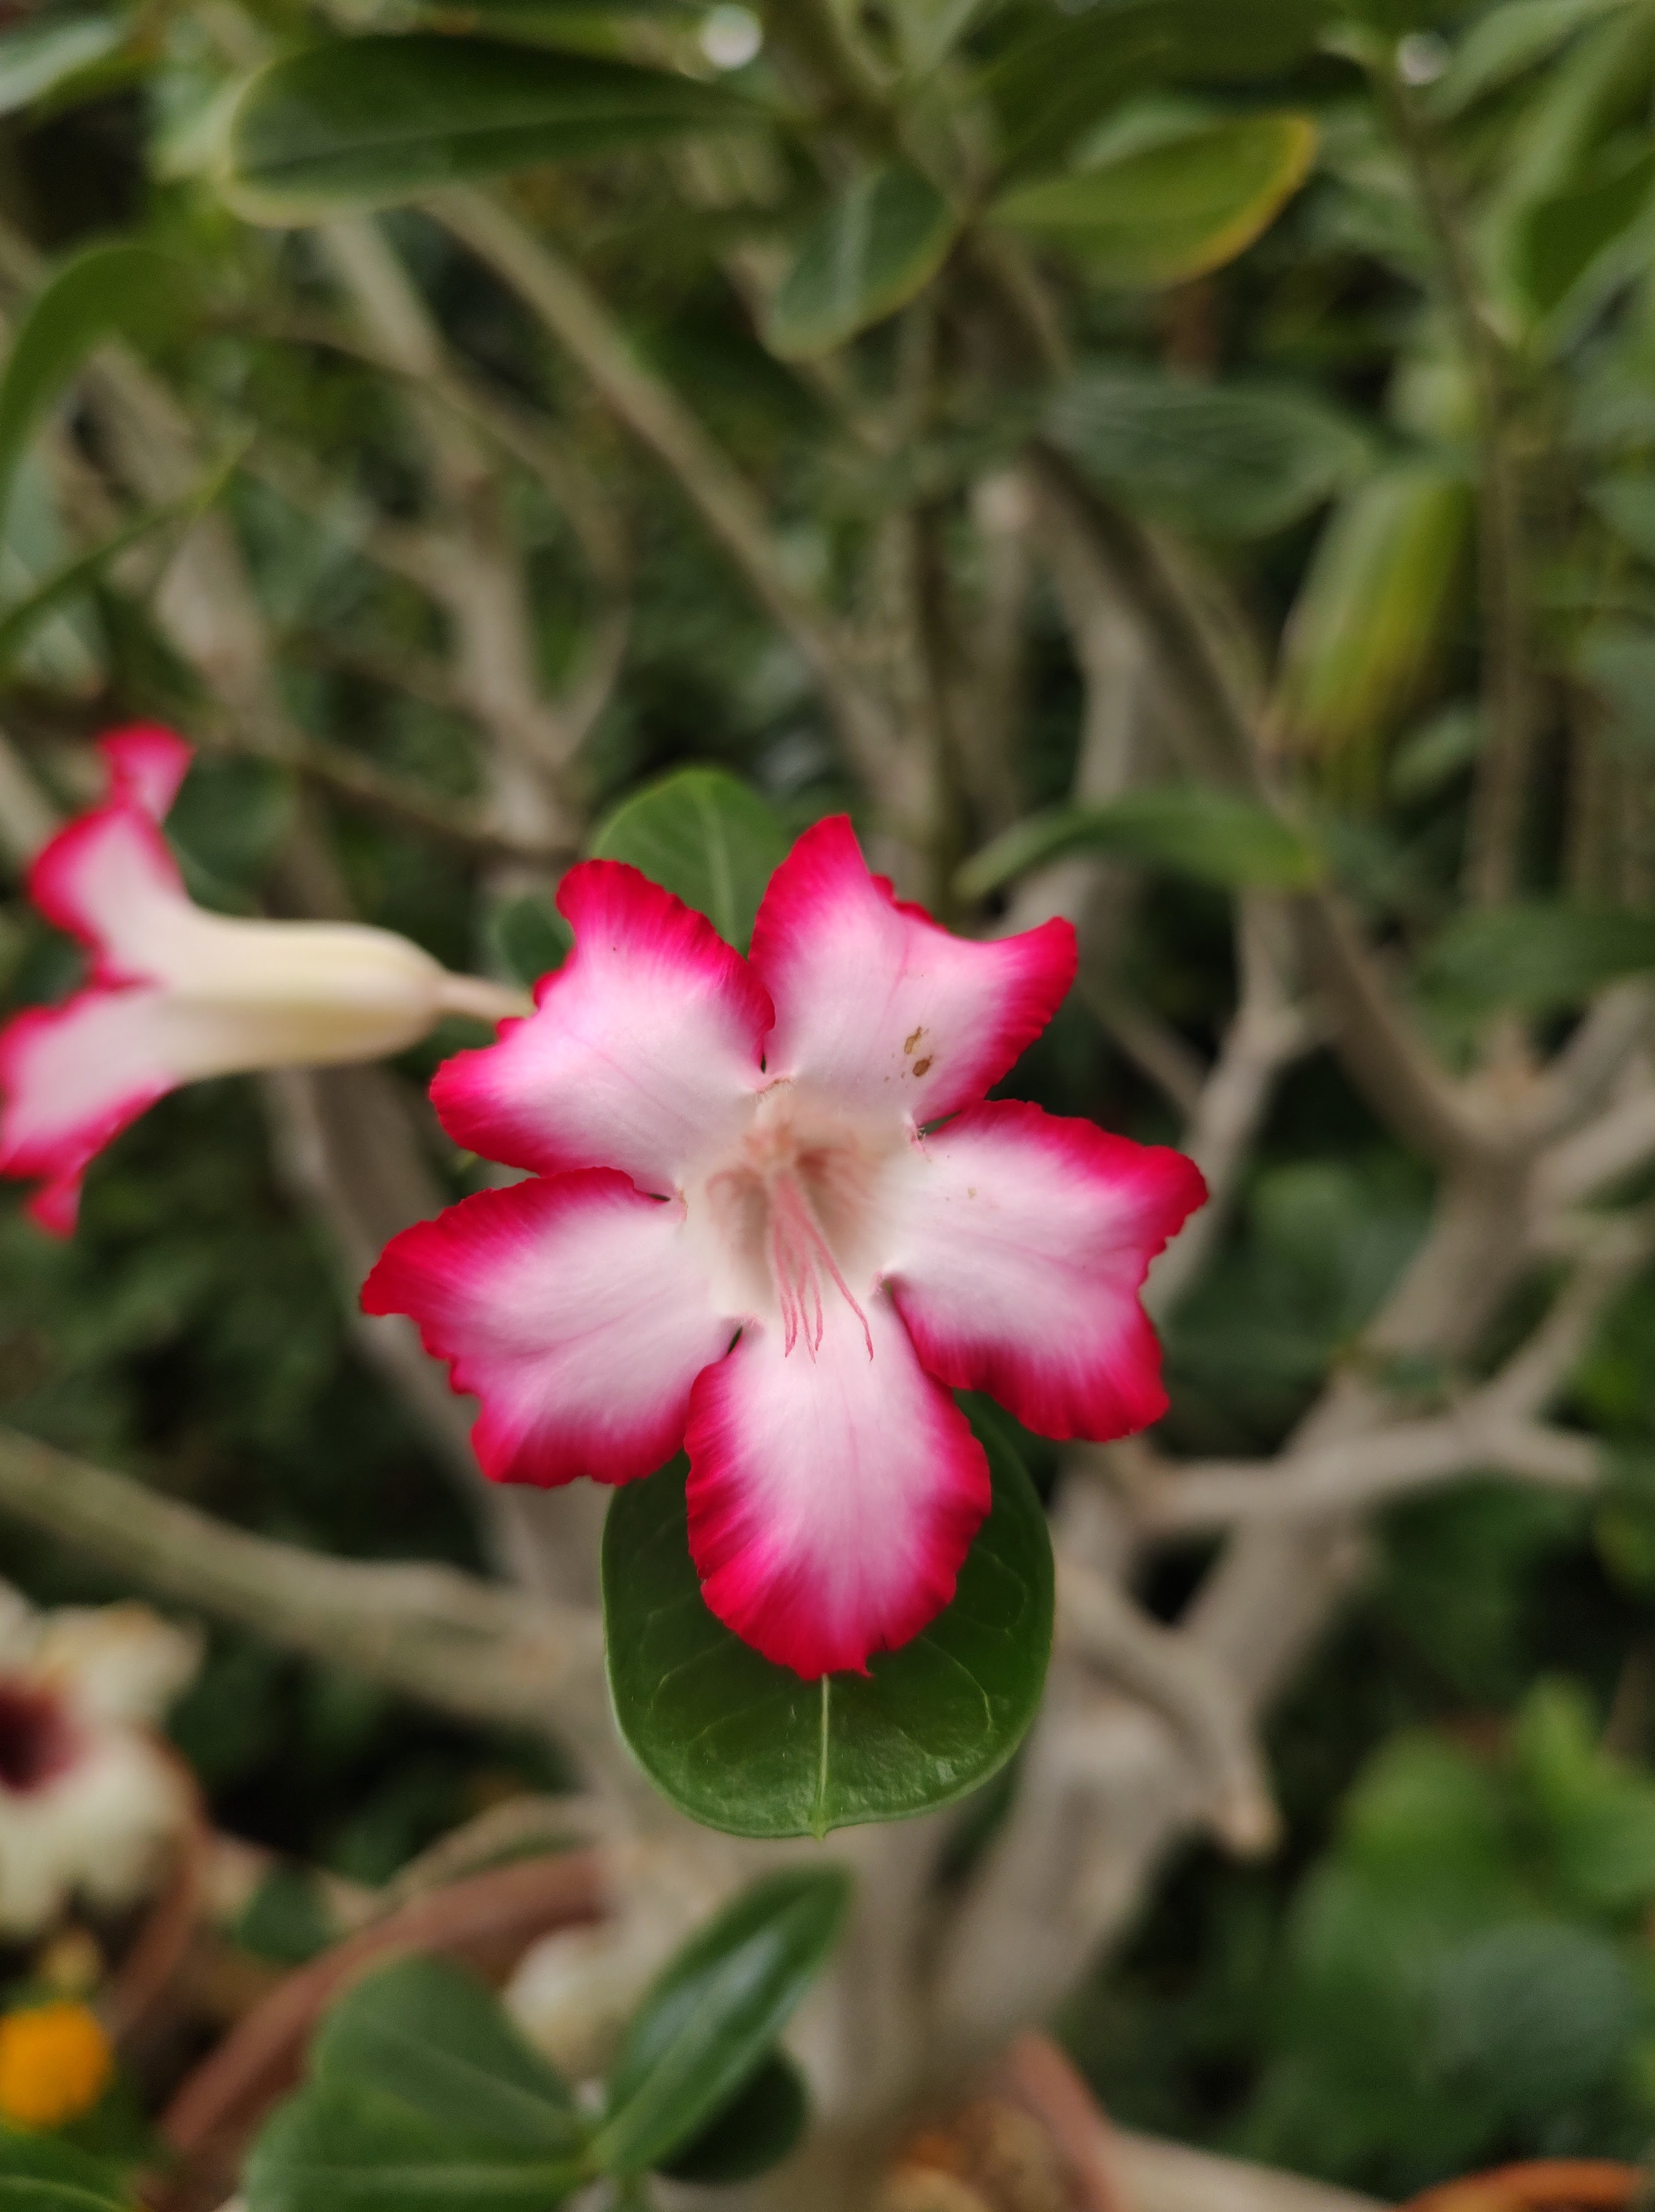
column 466, row 1647
column 582, row 325
column 1100, row 1624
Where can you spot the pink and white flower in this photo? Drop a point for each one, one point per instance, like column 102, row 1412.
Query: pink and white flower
column 772, row 1216
column 176, row 993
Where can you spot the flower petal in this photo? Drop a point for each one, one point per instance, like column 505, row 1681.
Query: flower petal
column 71, row 1078
column 575, row 1308
column 876, row 1004
column 1019, row 1244
column 832, row 1498
column 109, row 880
column 642, row 1053
column 146, row 765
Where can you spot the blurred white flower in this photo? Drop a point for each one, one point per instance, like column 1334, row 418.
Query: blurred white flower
column 731, row 38
column 89, row 1800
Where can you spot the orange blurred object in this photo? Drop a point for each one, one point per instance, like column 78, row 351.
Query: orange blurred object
column 55, row 2063
column 1541, row 2184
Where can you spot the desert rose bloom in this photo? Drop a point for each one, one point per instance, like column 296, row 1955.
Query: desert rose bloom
column 176, row 993
column 89, row 1800
column 772, row 1218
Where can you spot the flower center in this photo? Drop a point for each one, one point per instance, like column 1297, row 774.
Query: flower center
column 793, row 1209
column 38, row 1738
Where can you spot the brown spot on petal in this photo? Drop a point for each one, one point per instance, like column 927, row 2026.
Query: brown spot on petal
column 910, row 1042
column 921, row 1066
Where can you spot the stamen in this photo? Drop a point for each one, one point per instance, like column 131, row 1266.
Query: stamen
column 799, row 1251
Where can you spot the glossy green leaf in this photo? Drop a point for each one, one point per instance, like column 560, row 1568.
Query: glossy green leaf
column 116, row 289
column 1053, row 81
column 1175, row 210
column 1185, row 827
column 439, row 2039
column 423, row 2092
column 879, row 243
column 1540, row 954
column 1571, row 234
column 703, row 836
column 335, row 2148
column 1234, row 460
column 368, row 122
column 741, row 1745
column 529, row 938
column 707, row 2024
column 1373, row 604
column 756, row 2130
column 39, row 59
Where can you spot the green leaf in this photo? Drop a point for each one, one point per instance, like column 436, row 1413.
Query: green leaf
column 42, row 2174
column 529, row 938
column 746, row 1747
column 1508, row 40
column 115, row 289
column 422, row 2092
column 1572, row 234
column 424, row 2031
column 335, row 2148
column 1186, row 828
column 703, row 836
column 36, row 59
column 1236, row 460
column 1540, row 954
column 706, row 2025
column 880, row 242
column 756, row 2130
column 368, row 122
column 1051, row 83
column 1374, row 602
column 1176, row 209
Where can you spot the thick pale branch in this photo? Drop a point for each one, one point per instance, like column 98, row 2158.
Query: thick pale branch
column 1101, row 1625
column 1364, row 1471
column 464, row 1646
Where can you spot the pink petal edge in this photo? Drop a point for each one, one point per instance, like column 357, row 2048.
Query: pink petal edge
column 574, row 1310
column 1023, row 1241
column 875, row 1004
column 833, row 1501
column 643, row 1049
column 146, row 763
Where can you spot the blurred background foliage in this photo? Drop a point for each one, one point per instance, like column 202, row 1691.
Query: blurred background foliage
column 1449, row 1961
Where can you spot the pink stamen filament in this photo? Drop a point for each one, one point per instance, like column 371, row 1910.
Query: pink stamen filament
column 799, row 1253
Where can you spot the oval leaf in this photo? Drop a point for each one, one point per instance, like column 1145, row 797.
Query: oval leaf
column 1175, row 210
column 1235, row 460
column 116, row 289
column 865, row 257
column 741, row 1745
column 1539, row 954
column 337, row 2148
column 424, row 2031
column 367, row 122
column 1373, row 604
column 706, row 837
column 36, row 59
column 756, row 2130
column 1195, row 832
column 422, row 2092
column 1591, row 229
column 707, row 2024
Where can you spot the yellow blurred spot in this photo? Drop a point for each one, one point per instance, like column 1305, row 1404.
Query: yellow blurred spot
column 55, row 2063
